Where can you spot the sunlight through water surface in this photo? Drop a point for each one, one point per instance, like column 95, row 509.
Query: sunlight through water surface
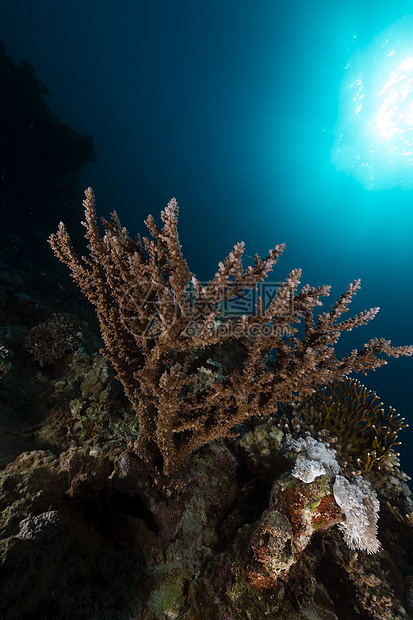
column 374, row 131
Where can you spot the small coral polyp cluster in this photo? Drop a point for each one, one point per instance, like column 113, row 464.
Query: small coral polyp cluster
column 48, row 342
column 355, row 415
column 5, row 364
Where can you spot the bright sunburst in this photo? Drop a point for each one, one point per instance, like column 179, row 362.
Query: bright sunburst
column 395, row 115
column 374, row 132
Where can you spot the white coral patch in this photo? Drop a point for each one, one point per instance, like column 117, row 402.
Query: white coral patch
column 359, row 503
column 314, row 458
column 307, row 470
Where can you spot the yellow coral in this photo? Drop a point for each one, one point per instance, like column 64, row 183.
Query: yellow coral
column 348, row 410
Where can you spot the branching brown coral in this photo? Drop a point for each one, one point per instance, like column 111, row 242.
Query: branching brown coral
column 162, row 328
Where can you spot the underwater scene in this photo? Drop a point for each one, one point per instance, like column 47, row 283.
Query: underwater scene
column 206, row 300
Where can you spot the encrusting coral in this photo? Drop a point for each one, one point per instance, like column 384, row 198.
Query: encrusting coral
column 357, row 498
column 162, row 327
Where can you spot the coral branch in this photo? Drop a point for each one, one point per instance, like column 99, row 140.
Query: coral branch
column 165, row 333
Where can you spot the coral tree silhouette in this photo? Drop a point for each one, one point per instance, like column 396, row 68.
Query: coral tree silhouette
column 191, row 371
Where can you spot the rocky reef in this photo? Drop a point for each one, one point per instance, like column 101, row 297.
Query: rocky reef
column 254, row 533
column 259, row 527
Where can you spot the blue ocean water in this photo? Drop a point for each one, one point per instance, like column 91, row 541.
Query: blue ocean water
column 242, row 110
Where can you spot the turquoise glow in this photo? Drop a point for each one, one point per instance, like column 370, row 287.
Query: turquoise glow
column 374, row 131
